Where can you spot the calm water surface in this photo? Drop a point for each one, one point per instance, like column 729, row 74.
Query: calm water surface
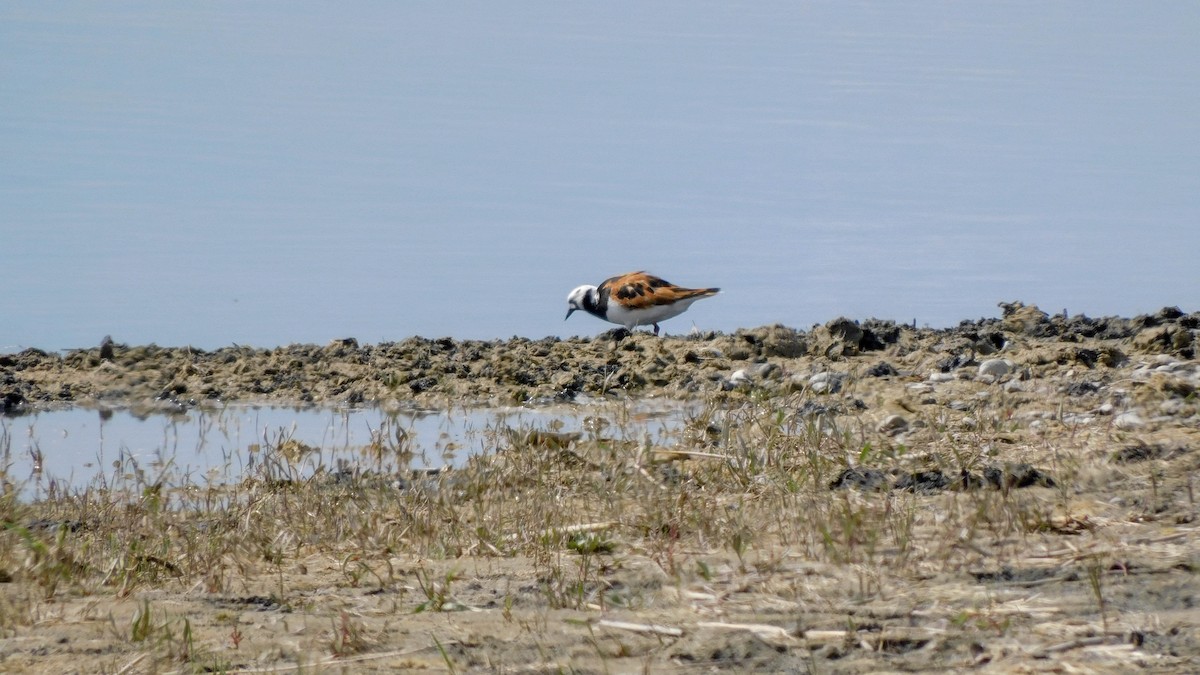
column 74, row 448
column 268, row 173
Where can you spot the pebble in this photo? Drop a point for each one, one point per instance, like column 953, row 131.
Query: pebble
column 740, row 377
column 996, row 368
column 754, row 373
column 1129, row 419
column 1173, row 406
column 795, row 383
column 764, row 371
column 826, row 383
column 892, row 425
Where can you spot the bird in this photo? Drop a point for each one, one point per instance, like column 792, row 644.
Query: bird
column 635, row 299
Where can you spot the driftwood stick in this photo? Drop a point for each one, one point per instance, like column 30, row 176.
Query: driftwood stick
column 652, row 628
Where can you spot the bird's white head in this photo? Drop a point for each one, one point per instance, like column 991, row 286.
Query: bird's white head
column 578, row 297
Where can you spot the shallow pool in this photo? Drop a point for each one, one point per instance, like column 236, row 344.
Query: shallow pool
column 71, row 449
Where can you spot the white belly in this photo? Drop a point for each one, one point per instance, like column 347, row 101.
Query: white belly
column 646, row 316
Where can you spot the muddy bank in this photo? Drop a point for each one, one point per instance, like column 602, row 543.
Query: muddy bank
column 771, row 359
column 1009, row 495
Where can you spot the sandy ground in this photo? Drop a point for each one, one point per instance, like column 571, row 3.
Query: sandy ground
column 1012, row 495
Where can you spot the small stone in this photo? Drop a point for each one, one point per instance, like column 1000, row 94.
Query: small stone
column 740, row 377
column 1081, row 388
column 1129, row 419
column 765, row 371
column 952, row 363
column 996, row 368
column 882, row 369
column 892, row 425
column 812, row 408
column 795, row 383
column 826, row 383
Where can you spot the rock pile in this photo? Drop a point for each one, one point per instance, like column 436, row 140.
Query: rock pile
column 1134, row 368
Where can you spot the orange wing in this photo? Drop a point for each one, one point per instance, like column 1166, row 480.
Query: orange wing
column 638, row 290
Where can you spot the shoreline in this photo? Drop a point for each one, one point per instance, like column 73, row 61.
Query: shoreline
column 858, row 497
column 437, row 372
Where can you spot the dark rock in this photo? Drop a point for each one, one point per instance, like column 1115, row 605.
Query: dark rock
column 812, row 408
column 1081, row 388
column 969, row 481
column 1142, row 452
column 1017, row 476
column 421, row 384
column 924, row 482
column 106, row 348
column 952, row 363
column 1087, row 357
column 882, row 369
column 990, row 342
column 11, row 401
column 49, row 525
column 860, row 479
column 1169, row 313
column 1016, row 575
column 881, row 333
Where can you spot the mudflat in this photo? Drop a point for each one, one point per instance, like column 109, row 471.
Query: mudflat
column 1011, row 494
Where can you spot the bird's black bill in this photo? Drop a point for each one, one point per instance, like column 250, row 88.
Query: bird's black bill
column 569, row 312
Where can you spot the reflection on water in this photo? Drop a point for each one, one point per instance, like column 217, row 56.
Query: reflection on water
column 66, row 450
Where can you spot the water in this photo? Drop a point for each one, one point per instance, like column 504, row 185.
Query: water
column 71, row 449
column 270, row 173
